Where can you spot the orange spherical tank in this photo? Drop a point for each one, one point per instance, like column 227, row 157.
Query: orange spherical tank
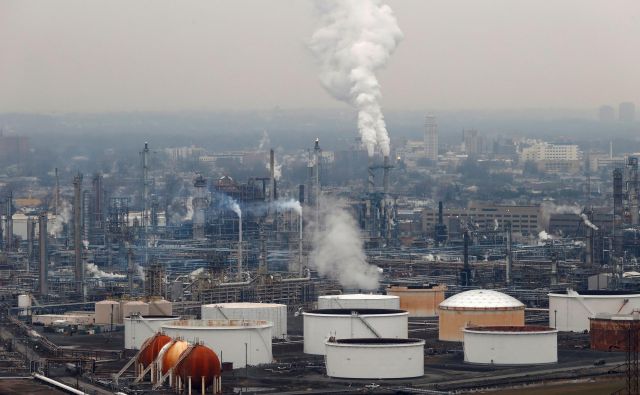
column 201, row 362
column 172, row 355
column 151, row 348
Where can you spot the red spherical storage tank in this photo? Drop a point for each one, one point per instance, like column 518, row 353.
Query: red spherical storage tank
column 171, row 356
column 201, row 362
column 151, row 348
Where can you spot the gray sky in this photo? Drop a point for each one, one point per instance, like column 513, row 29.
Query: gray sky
column 123, row 55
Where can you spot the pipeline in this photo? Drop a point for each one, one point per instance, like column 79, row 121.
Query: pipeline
column 58, row 384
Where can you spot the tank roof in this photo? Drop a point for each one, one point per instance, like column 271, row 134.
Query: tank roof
column 481, row 299
column 217, row 324
column 374, row 340
column 511, row 328
column 595, row 293
column 244, row 305
column 358, row 311
column 358, row 296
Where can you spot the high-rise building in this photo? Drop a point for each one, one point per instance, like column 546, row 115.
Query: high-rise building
column 431, row 138
column 473, row 143
column 627, row 112
column 606, row 114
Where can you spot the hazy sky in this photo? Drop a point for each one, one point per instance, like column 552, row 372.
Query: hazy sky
column 123, row 55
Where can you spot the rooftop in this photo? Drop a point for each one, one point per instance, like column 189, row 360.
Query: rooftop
column 481, row 299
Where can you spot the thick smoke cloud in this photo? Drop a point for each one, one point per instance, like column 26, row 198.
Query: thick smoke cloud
column 355, row 39
column 338, row 249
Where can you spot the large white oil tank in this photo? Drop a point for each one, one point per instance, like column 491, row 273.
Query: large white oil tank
column 134, row 307
column 359, row 301
column 108, row 312
column 377, row 358
column 24, row 303
column 160, row 307
column 570, row 311
column 272, row 312
column 478, row 307
column 511, row 345
column 235, row 341
column 138, row 328
column 320, row 325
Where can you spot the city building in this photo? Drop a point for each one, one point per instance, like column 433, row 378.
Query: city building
column 431, row 138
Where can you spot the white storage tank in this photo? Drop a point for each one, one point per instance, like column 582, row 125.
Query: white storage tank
column 227, row 338
column 377, row 358
column 271, row 312
column 138, row 328
column 160, row 307
column 320, row 325
column 570, row 311
column 24, row 303
column 107, row 312
column 359, row 301
column 511, row 345
column 134, row 307
column 478, row 307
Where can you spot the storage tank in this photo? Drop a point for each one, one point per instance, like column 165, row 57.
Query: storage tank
column 24, row 302
column 201, row 368
column 511, row 345
column 610, row 332
column 570, row 311
column 160, row 307
column 359, row 301
column 150, row 349
column 272, row 312
column 375, row 358
column 320, row 325
column 138, row 328
column 170, row 353
column 107, row 312
column 228, row 338
column 419, row 300
column 478, row 307
column 134, row 307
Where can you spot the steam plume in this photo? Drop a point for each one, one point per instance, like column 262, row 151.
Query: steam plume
column 96, row 272
column 63, row 217
column 289, row 205
column 586, row 221
column 338, row 251
column 355, row 39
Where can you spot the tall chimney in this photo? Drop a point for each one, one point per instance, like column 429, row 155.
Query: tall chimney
column 301, row 193
column 272, row 175
column 56, row 198
column 465, row 275
column 509, row 253
column 440, row 213
column 8, row 222
column 385, row 176
column 44, row 255
column 30, row 242
column 240, row 252
column 130, row 270
column 77, row 233
column 618, row 212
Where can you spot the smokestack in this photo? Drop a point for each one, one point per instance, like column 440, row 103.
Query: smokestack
column 239, row 248
column 31, row 232
column 618, row 212
column 465, row 275
column 509, row 253
column 199, row 203
column 385, row 176
column 554, row 269
column 301, row 193
column 300, row 245
column 77, row 233
column 272, row 174
column 145, row 185
column 440, row 214
column 130, row 270
column 633, row 190
column 44, row 255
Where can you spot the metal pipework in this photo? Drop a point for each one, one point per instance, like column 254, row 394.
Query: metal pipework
column 44, row 254
column 77, row 233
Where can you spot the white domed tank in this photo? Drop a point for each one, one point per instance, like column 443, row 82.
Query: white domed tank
column 272, row 312
column 511, row 345
column 228, row 338
column 139, row 328
column 375, row 358
column 320, row 325
column 570, row 311
column 108, row 312
column 478, row 307
column 359, row 301
column 134, row 307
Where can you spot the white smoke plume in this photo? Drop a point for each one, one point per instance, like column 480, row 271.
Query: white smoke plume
column 354, row 40
column 544, row 236
column 586, row 221
column 64, row 216
column 95, row 271
column 189, row 205
column 290, row 204
column 338, row 250
column 548, row 208
column 265, row 141
column 277, row 168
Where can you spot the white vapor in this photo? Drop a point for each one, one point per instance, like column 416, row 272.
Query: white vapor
column 96, row 272
column 63, row 217
column 586, row 221
column 289, row 205
column 338, row 250
column 354, row 40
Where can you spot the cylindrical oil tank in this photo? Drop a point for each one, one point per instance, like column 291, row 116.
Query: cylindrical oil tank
column 24, row 302
column 358, row 301
column 611, row 332
column 375, row 358
column 138, row 328
column 134, row 307
column 419, row 300
column 272, row 312
column 511, row 345
column 236, row 341
column 170, row 353
column 320, row 325
column 570, row 311
column 108, row 312
column 202, row 365
column 151, row 348
column 160, row 307
column 478, row 307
